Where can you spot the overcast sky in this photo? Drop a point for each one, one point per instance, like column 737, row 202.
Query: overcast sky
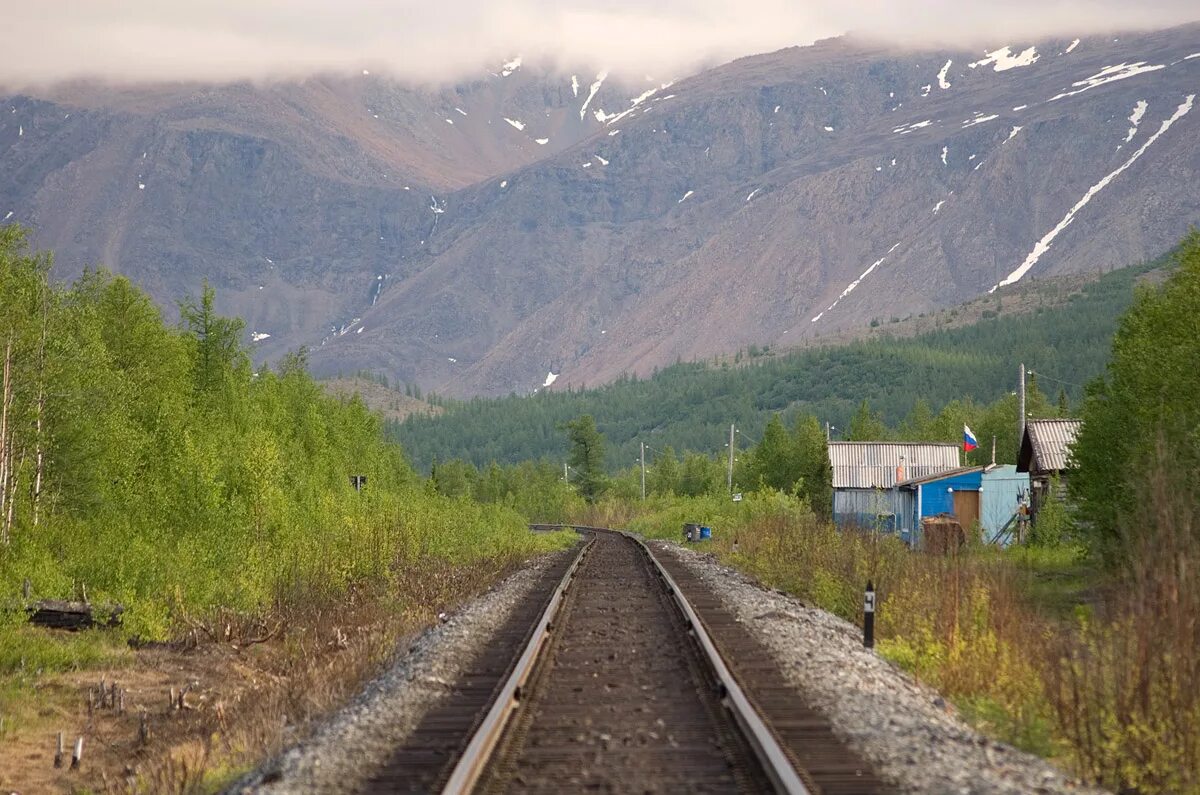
column 48, row 40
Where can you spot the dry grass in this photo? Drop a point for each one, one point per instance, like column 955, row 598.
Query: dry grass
column 1097, row 675
column 957, row 622
column 1124, row 690
column 255, row 683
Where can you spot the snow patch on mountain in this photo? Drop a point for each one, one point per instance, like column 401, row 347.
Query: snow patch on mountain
column 938, row 206
column 575, row 85
column 541, row 141
column 945, row 151
column 685, row 197
column 850, row 287
column 600, row 78
column 1072, row 47
column 748, row 198
column 979, row 118
column 1139, row 110
column 1109, row 74
column 520, row 125
column 925, row 89
column 1043, row 245
column 1012, row 133
column 636, row 101
column 551, row 377
column 510, row 67
column 943, row 83
column 905, row 129
column 258, row 336
column 1004, row 59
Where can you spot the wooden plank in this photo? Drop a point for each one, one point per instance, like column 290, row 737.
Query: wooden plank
column 61, row 614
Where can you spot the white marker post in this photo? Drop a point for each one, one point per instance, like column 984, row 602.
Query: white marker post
column 869, row 617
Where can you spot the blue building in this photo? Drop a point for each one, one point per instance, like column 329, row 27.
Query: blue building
column 1004, row 489
column 987, row 496
column 955, row 492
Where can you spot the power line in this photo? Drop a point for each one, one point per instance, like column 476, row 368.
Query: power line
column 1056, row 380
column 747, row 438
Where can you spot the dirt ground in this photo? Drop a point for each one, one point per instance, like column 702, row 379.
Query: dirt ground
column 241, row 701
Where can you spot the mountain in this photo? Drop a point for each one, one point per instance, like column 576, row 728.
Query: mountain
column 299, row 202
column 392, row 404
column 1061, row 328
column 775, row 198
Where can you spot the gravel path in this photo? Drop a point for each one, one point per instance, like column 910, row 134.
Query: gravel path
column 906, row 730
column 622, row 703
column 343, row 754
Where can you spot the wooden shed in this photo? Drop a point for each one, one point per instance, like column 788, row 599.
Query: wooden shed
column 865, row 476
column 1046, row 456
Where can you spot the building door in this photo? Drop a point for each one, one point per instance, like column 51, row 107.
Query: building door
column 966, row 508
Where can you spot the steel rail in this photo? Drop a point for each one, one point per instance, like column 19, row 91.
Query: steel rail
column 478, row 752
column 775, row 762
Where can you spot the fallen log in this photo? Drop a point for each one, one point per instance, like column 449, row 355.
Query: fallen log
column 61, row 614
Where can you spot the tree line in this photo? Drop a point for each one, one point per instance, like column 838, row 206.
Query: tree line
column 154, row 465
column 689, row 406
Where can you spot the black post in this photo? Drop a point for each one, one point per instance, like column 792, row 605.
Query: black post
column 869, row 617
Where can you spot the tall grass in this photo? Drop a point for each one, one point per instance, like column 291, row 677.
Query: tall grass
column 1108, row 688
column 956, row 622
column 1125, row 688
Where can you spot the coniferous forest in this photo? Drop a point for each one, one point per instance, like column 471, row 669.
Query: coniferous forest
column 904, row 383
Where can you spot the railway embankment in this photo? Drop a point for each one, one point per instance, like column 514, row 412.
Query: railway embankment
column 909, row 733
column 405, row 730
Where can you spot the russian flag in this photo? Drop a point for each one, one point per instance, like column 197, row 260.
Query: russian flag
column 969, row 442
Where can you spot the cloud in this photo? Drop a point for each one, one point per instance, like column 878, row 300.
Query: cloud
column 222, row 40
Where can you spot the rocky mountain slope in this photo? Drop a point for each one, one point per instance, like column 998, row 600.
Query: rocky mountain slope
column 774, row 198
column 299, row 202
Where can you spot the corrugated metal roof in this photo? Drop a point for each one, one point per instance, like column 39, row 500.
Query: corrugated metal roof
column 1047, row 445
column 949, row 473
column 872, row 465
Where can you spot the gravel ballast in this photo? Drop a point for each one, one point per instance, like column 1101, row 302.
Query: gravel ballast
column 344, row 753
column 905, row 730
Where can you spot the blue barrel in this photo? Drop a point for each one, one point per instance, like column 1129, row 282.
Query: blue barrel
column 705, row 533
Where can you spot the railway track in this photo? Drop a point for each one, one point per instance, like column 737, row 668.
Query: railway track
column 615, row 681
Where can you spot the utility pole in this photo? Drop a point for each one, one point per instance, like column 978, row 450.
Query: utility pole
column 1021, row 408
column 643, row 471
column 565, row 478
column 993, row 449
column 730, row 477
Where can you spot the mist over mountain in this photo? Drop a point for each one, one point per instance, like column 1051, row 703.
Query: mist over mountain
column 434, row 44
column 543, row 225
